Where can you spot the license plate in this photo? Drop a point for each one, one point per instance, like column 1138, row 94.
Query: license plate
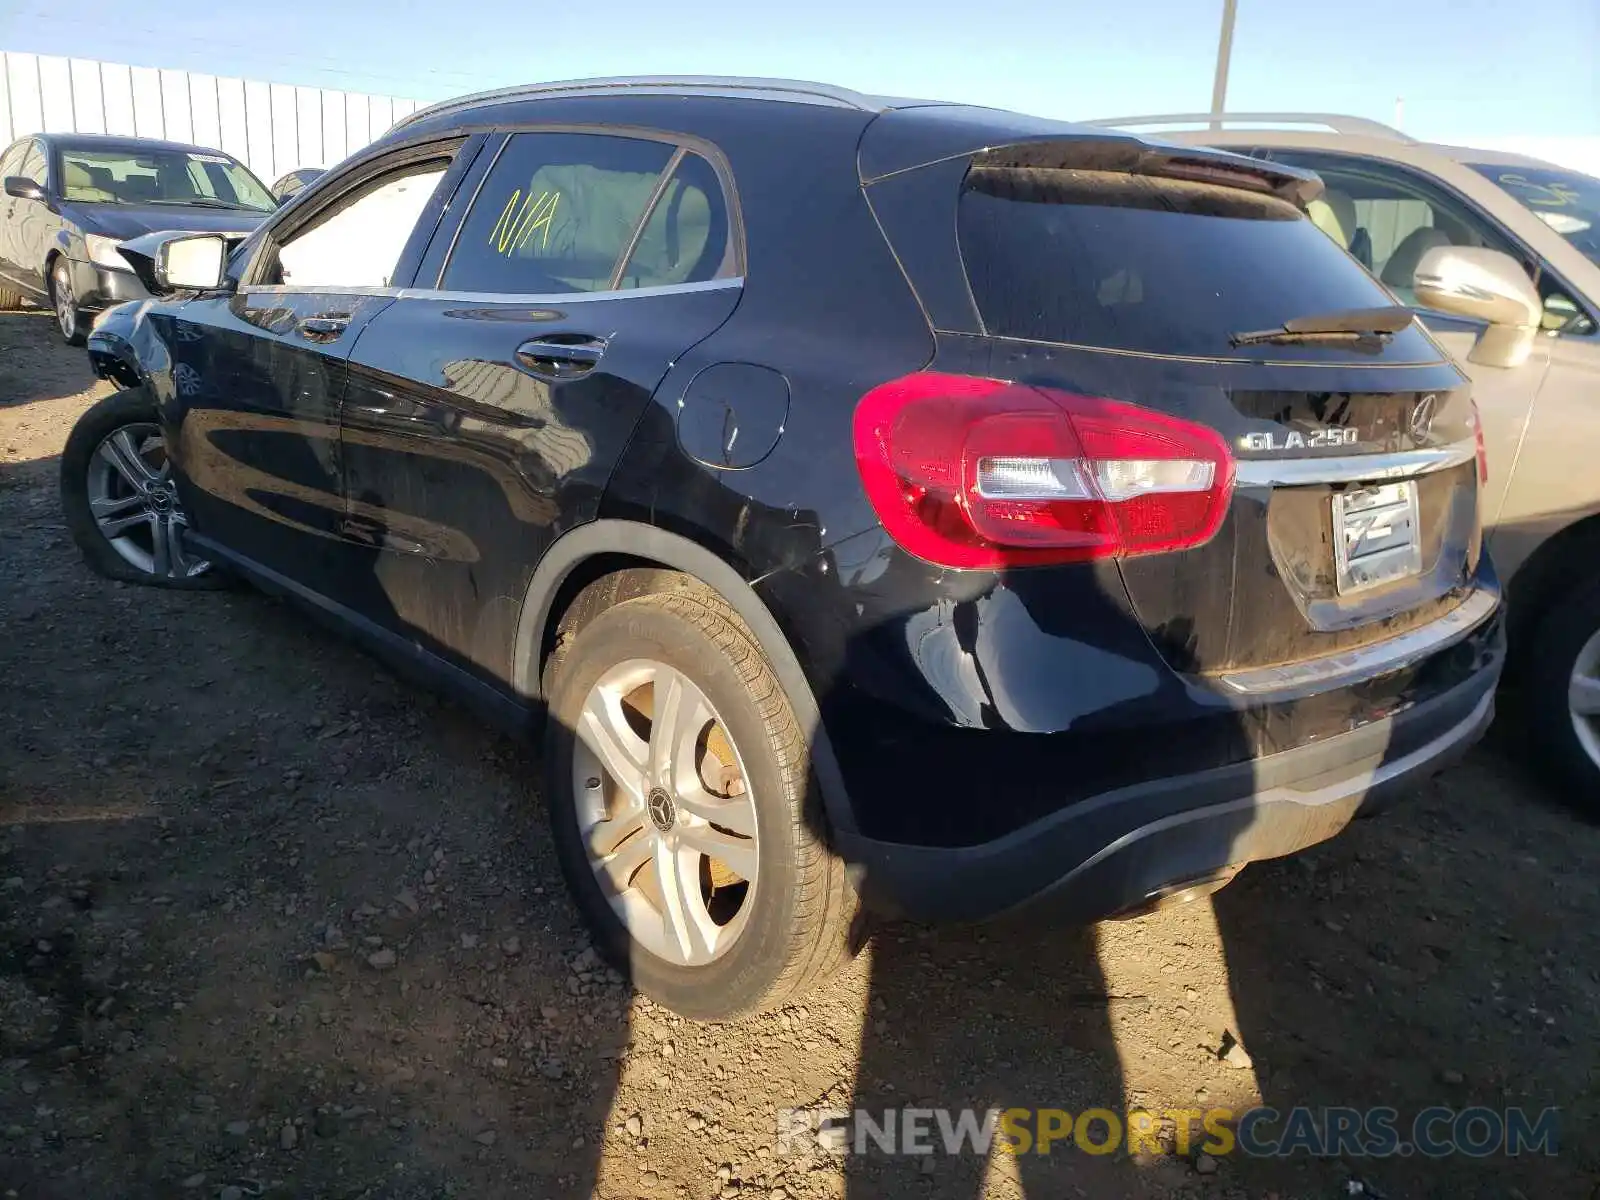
column 1376, row 536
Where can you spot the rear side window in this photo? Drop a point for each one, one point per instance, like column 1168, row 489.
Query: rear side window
column 1133, row 262
column 568, row 212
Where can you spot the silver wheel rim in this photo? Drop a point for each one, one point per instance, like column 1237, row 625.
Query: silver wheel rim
column 135, row 504
column 66, row 303
column 1583, row 698
column 666, row 816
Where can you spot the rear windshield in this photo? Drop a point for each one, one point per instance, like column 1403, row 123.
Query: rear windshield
column 1134, row 262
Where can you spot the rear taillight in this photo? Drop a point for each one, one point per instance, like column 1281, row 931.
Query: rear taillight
column 981, row 473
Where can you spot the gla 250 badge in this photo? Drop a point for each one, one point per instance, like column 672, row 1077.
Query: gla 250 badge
column 1296, row 439
column 1420, row 426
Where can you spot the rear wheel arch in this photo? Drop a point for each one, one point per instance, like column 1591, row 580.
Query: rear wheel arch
column 619, row 560
column 1547, row 577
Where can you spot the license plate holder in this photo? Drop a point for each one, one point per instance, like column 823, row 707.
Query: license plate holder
column 1377, row 536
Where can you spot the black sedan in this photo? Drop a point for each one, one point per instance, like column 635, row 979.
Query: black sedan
column 71, row 199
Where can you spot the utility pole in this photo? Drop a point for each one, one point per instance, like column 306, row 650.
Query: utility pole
column 1219, row 89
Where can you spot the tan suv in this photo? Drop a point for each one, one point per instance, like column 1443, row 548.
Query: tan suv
column 1499, row 254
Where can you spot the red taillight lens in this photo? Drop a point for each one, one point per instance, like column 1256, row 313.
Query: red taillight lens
column 981, row 474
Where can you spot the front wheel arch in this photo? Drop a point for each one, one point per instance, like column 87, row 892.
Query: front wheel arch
column 589, row 552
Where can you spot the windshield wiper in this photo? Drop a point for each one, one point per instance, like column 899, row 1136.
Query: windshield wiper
column 205, row 202
column 1348, row 325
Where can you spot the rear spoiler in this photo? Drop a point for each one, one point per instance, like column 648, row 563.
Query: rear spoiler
column 905, row 139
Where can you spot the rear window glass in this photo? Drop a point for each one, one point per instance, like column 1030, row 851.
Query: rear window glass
column 1133, row 262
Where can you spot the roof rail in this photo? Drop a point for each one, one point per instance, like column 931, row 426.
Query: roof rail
column 1333, row 121
column 777, row 89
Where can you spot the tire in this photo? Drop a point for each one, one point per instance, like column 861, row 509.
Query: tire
column 90, row 477
column 795, row 919
column 69, row 319
column 1566, row 643
column 10, row 298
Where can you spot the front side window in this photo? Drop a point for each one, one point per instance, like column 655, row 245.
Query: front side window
column 559, row 212
column 155, row 176
column 1564, row 200
column 357, row 241
column 1389, row 219
column 33, row 164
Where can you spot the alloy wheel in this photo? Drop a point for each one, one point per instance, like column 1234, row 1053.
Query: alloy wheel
column 664, row 812
column 135, row 503
column 1583, row 697
column 66, row 304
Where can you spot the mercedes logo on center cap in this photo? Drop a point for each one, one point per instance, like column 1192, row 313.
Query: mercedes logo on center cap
column 1422, row 417
column 662, row 812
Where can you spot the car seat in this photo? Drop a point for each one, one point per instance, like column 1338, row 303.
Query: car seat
column 78, row 183
column 1334, row 212
column 1400, row 270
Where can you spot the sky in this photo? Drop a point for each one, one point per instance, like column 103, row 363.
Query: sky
column 1465, row 68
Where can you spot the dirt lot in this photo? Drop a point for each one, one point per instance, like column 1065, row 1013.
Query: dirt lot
column 273, row 922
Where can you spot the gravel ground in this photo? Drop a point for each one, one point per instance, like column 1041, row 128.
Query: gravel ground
column 275, row 923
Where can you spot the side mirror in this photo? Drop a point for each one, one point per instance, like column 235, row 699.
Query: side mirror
column 178, row 262
column 23, row 188
column 1486, row 285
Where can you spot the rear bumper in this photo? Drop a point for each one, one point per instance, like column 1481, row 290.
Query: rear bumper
column 1117, row 851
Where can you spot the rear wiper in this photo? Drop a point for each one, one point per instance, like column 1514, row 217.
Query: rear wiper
column 1349, row 325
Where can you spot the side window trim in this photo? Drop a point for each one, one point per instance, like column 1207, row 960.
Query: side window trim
column 614, row 283
column 457, row 147
column 448, row 232
column 683, row 144
column 665, row 289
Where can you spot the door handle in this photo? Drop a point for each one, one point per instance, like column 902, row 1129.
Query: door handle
column 324, row 324
column 551, row 359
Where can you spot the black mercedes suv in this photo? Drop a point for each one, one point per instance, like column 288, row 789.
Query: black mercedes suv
column 882, row 505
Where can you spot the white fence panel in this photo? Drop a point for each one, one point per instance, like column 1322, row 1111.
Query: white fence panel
column 205, row 111
column 88, row 106
column 147, row 115
column 273, row 127
column 176, row 122
column 55, row 93
column 116, row 92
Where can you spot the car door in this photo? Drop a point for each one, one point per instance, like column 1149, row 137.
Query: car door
column 256, row 377
column 485, row 413
column 29, row 223
column 1389, row 216
column 9, row 162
